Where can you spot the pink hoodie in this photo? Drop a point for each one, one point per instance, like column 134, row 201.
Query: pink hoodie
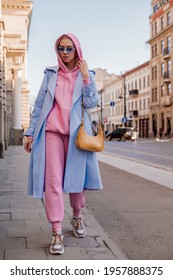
column 59, row 117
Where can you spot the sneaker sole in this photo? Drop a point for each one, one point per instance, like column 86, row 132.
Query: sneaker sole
column 79, row 236
column 56, row 252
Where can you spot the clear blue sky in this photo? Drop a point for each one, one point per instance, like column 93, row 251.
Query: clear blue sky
column 113, row 34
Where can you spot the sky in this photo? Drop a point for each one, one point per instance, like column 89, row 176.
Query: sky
column 113, row 34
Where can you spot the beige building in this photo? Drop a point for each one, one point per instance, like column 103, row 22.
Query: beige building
column 102, row 77
column 137, row 85
column 125, row 100
column 161, row 65
column 15, row 17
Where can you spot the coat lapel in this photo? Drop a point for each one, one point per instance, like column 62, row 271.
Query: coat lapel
column 77, row 93
column 52, row 80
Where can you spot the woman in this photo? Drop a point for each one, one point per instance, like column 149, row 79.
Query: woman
column 56, row 165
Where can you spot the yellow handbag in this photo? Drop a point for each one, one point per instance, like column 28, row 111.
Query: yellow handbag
column 89, row 142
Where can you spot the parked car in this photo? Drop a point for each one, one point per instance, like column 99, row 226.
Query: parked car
column 123, row 134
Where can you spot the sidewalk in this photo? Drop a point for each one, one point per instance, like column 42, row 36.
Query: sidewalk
column 24, row 231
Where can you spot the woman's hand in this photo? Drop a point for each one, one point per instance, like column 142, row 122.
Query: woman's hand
column 27, row 144
column 84, row 69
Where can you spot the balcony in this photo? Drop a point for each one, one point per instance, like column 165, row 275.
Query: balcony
column 167, row 76
column 133, row 92
column 166, row 53
column 165, row 100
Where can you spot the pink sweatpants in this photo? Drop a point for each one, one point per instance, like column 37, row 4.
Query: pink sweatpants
column 56, row 153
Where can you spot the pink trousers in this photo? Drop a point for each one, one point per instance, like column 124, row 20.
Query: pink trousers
column 56, row 153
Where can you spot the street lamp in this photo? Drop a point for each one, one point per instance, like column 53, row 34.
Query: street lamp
column 124, row 120
column 101, row 104
column 125, row 109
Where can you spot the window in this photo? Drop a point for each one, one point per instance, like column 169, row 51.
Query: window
column 169, row 44
column 143, row 104
column 140, row 105
column 155, row 28
column 162, row 23
column 155, row 70
column 139, row 83
column 169, row 89
column 155, row 94
column 136, row 105
column 162, row 69
column 152, row 73
column 148, row 80
column 152, row 30
column 152, row 94
column 162, row 46
column 156, row 7
column 148, row 101
column 169, row 67
column 168, row 18
column 144, row 82
column 128, row 87
column 153, row 51
column 136, row 85
column 162, row 90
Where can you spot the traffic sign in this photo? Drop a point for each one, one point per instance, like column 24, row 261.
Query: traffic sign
column 124, row 120
column 112, row 103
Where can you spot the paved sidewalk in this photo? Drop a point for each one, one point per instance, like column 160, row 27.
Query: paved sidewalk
column 24, row 231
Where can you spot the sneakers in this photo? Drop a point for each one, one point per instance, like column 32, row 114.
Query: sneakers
column 57, row 246
column 78, row 227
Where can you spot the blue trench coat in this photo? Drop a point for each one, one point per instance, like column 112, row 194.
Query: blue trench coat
column 82, row 170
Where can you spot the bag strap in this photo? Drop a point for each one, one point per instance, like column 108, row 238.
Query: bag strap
column 99, row 120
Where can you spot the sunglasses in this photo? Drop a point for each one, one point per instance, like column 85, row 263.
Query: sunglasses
column 67, row 49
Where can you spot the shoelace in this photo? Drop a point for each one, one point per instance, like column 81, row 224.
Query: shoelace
column 78, row 223
column 58, row 239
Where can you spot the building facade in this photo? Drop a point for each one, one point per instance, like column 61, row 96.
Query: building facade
column 125, row 100
column 15, row 17
column 137, row 86
column 161, row 66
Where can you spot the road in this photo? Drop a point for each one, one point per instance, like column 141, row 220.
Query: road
column 146, row 151
column 135, row 212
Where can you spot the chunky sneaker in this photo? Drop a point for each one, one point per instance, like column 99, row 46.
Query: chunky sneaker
column 78, row 227
column 57, row 246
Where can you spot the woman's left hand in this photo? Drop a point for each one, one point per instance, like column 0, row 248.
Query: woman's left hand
column 84, row 69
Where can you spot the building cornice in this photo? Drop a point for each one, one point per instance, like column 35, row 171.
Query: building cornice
column 141, row 66
column 9, row 35
column 14, row 4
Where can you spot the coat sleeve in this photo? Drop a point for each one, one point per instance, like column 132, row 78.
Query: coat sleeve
column 37, row 106
column 90, row 94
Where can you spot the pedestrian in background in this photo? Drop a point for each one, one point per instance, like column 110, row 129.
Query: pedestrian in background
column 160, row 132
column 168, row 131
column 56, row 165
column 155, row 132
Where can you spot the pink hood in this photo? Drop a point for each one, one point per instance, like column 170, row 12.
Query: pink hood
column 59, row 117
column 77, row 46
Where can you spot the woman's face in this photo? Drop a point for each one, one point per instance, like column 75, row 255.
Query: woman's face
column 67, row 52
